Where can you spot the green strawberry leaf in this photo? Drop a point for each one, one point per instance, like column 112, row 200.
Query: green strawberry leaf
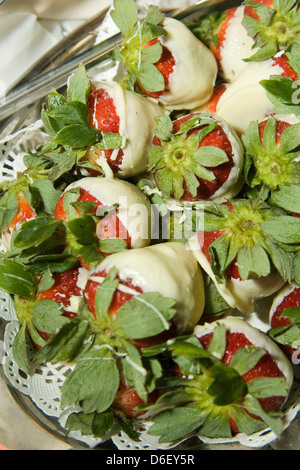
column 35, row 232
column 287, row 197
column 84, row 229
column 79, row 86
column 246, row 358
column 265, row 387
column 274, row 422
column 253, row 262
column 47, row 316
column 66, row 344
column 227, row 385
column 135, row 372
column 283, row 92
column 105, row 293
column 288, row 335
column 136, row 52
column 145, row 315
column 176, row 423
column 149, row 77
column 284, row 229
column 77, row 136
column 93, row 383
column 125, row 15
column 19, row 349
column 16, row 279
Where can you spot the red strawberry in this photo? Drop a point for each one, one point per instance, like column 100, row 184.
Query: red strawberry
column 127, row 399
column 149, row 270
column 198, row 158
column 211, row 105
column 165, row 65
column 67, row 290
column 285, row 320
column 126, row 122
column 24, row 212
column 163, row 58
column 103, row 116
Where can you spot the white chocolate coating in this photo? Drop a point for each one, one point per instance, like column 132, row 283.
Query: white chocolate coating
column 137, row 123
column 256, row 337
column 245, row 100
column 237, row 46
column 167, row 268
column 192, row 81
column 134, row 208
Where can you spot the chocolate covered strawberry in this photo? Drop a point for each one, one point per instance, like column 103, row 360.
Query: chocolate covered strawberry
column 126, row 122
column 103, row 215
column 272, row 167
column 273, row 25
column 197, row 157
column 151, row 269
column 248, row 249
column 97, row 127
column 104, row 345
column 230, row 378
column 285, row 321
column 261, row 89
column 224, row 33
column 163, row 58
column 253, row 31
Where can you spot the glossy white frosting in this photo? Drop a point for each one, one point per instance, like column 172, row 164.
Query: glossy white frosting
column 192, row 81
column 167, row 268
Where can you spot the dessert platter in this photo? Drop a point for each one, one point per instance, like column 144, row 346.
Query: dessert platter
column 149, row 251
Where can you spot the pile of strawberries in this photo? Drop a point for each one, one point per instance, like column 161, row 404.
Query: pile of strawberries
column 160, row 208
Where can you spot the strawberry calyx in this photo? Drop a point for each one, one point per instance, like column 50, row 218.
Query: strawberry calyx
column 102, row 348
column 218, row 389
column 273, row 28
column 247, row 235
column 272, row 157
column 147, row 62
column 190, row 157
